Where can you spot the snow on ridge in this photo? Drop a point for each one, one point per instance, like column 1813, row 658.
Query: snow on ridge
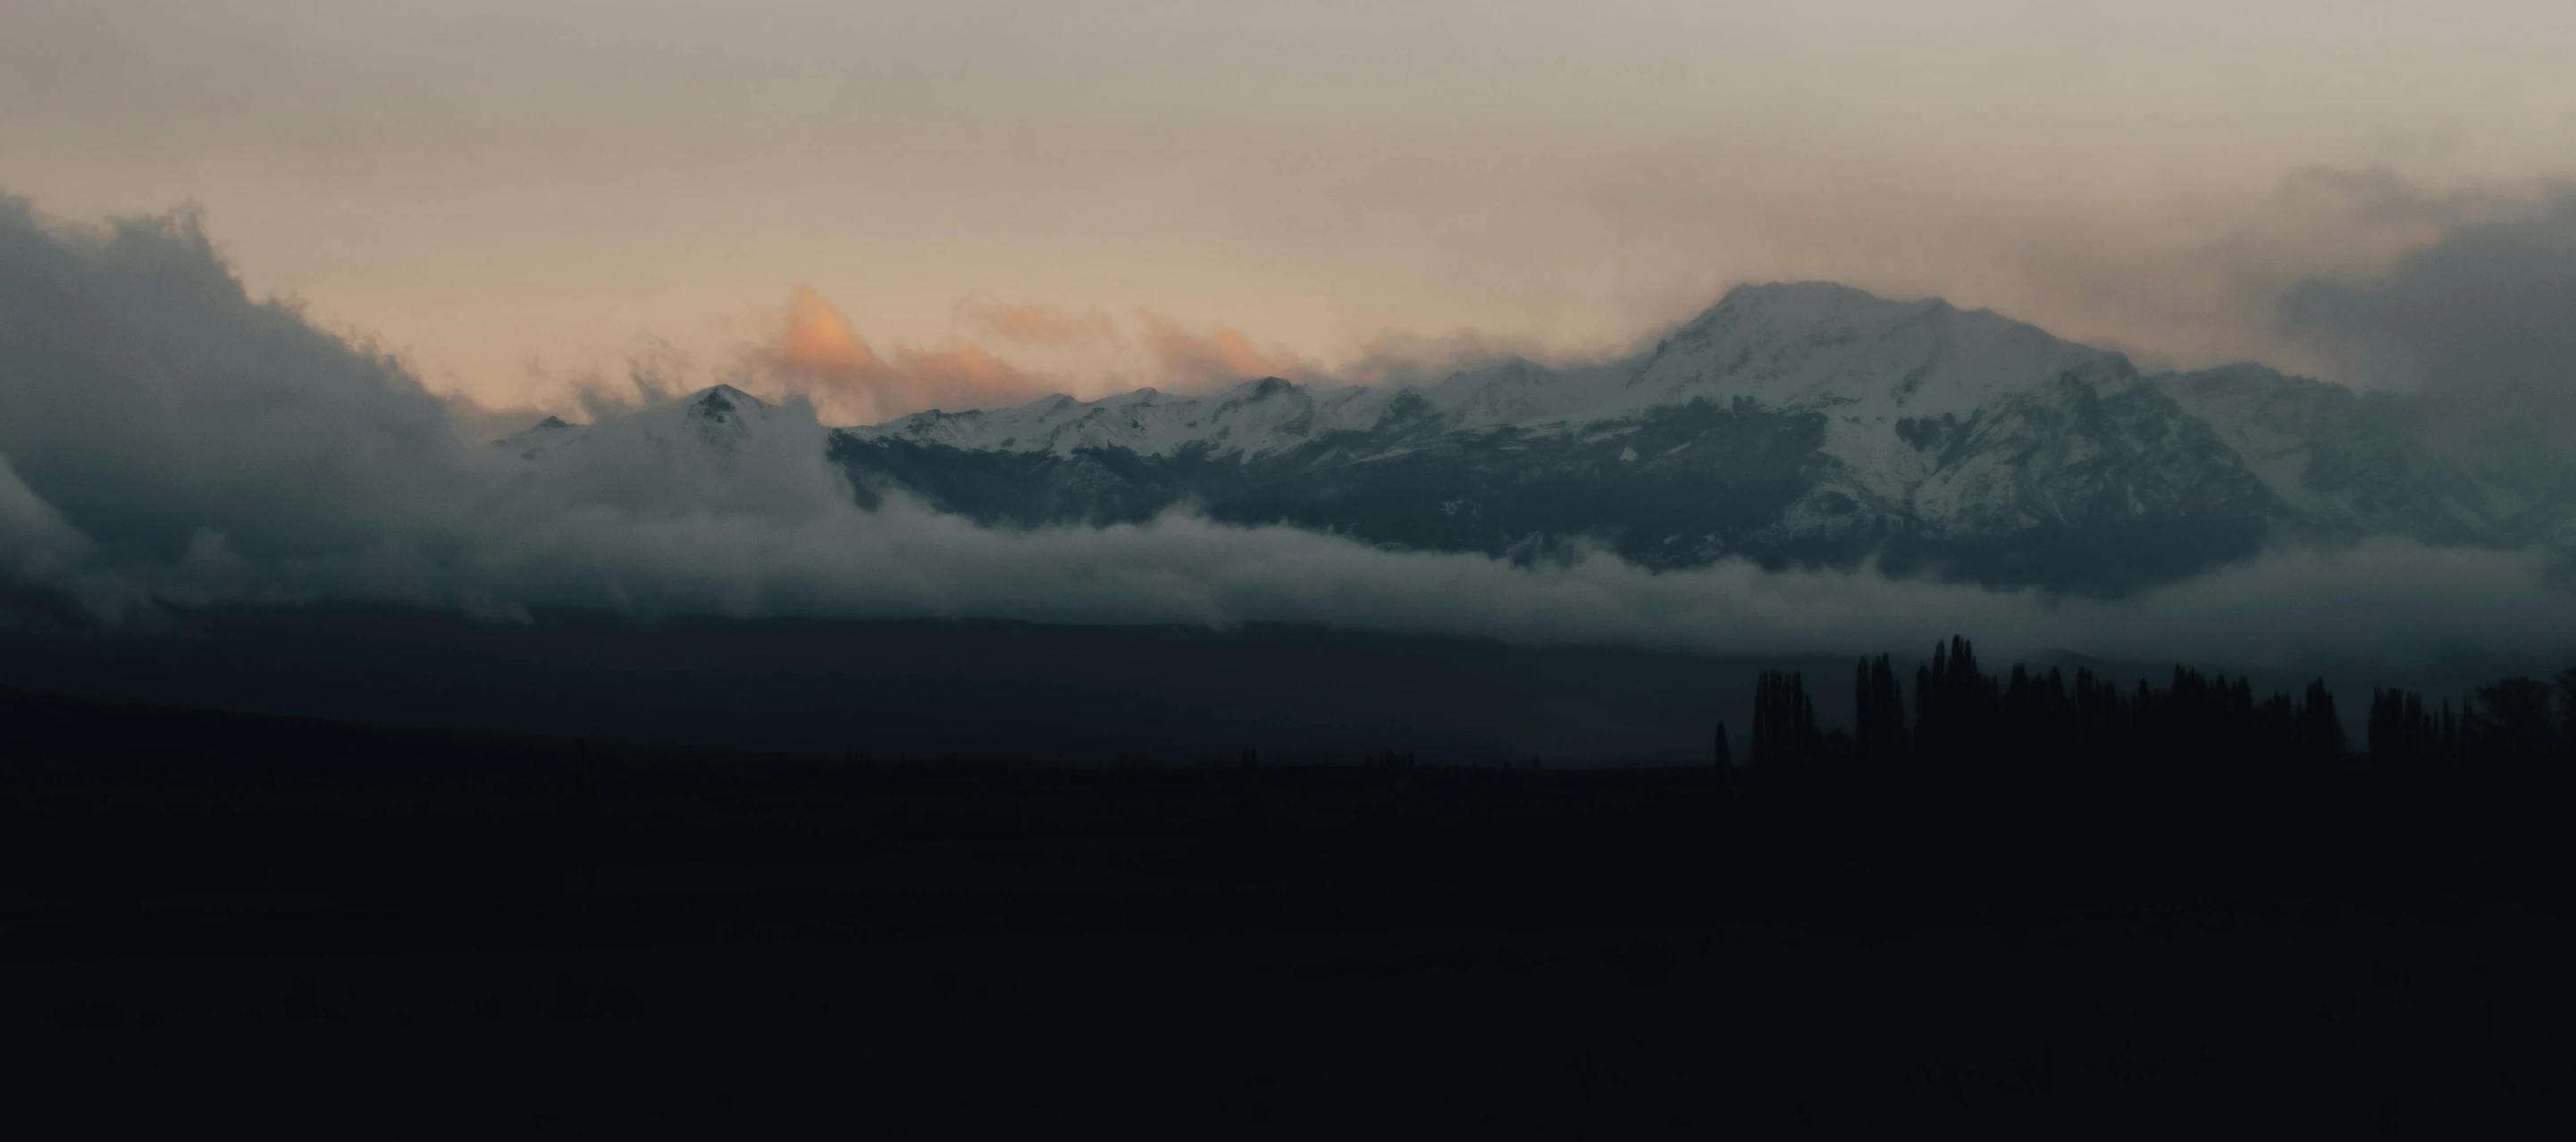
column 720, row 417
column 1864, row 361
column 1827, row 347
column 1252, row 418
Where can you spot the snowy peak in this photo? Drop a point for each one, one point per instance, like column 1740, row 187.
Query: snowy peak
column 718, row 415
column 714, row 421
column 1818, row 346
column 1799, row 347
column 532, row 442
column 716, row 401
column 1802, row 421
column 718, row 419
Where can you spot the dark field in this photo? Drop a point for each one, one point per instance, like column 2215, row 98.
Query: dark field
column 211, row 914
column 927, row 687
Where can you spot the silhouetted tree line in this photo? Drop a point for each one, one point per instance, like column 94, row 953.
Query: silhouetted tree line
column 1963, row 717
column 2510, row 723
column 2021, row 720
column 1979, row 755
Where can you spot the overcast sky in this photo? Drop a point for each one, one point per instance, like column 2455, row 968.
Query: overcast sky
column 510, row 193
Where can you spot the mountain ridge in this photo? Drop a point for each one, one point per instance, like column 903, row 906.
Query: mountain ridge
column 1790, row 422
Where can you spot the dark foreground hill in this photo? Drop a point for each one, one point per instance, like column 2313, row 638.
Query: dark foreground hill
column 211, row 915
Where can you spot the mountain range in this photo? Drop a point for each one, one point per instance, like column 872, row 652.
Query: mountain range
column 1791, row 423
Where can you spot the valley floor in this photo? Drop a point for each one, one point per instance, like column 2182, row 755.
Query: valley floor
column 227, row 918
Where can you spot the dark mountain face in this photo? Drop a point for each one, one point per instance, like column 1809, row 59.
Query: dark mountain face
column 1680, row 488
column 2064, row 488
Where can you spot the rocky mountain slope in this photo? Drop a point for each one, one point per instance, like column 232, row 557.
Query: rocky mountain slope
column 1789, row 423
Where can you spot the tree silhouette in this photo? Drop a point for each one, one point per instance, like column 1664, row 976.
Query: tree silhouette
column 2514, row 719
column 1878, row 715
column 1784, row 721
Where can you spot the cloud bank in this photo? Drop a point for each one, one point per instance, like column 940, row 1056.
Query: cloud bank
column 168, row 441
column 2490, row 303
column 2481, row 320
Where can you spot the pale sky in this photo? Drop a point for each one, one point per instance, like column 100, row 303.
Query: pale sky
column 1005, row 196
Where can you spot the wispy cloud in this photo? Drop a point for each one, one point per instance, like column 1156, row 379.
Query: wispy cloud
column 1222, row 356
column 819, row 353
column 2485, row 296
column 1033, row 323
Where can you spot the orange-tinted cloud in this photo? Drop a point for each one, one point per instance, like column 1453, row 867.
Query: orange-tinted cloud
column 820, row 353
column 1226, row 356
column 1180, row 358
column 1035, row 324
column 820, row 342
column 962, row 376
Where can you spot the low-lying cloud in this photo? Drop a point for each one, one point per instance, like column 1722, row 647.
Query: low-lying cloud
column 2477, row 318
column 170, row 441
column 2488, row 303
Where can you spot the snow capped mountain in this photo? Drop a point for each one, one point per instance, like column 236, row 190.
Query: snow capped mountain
column 719, row 417
column 1796, row 422
column 1803, row 420
column 1830, row 348
column 712, row 423
column 1253, row 419
column 1867, row 361
column 2345, row 464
